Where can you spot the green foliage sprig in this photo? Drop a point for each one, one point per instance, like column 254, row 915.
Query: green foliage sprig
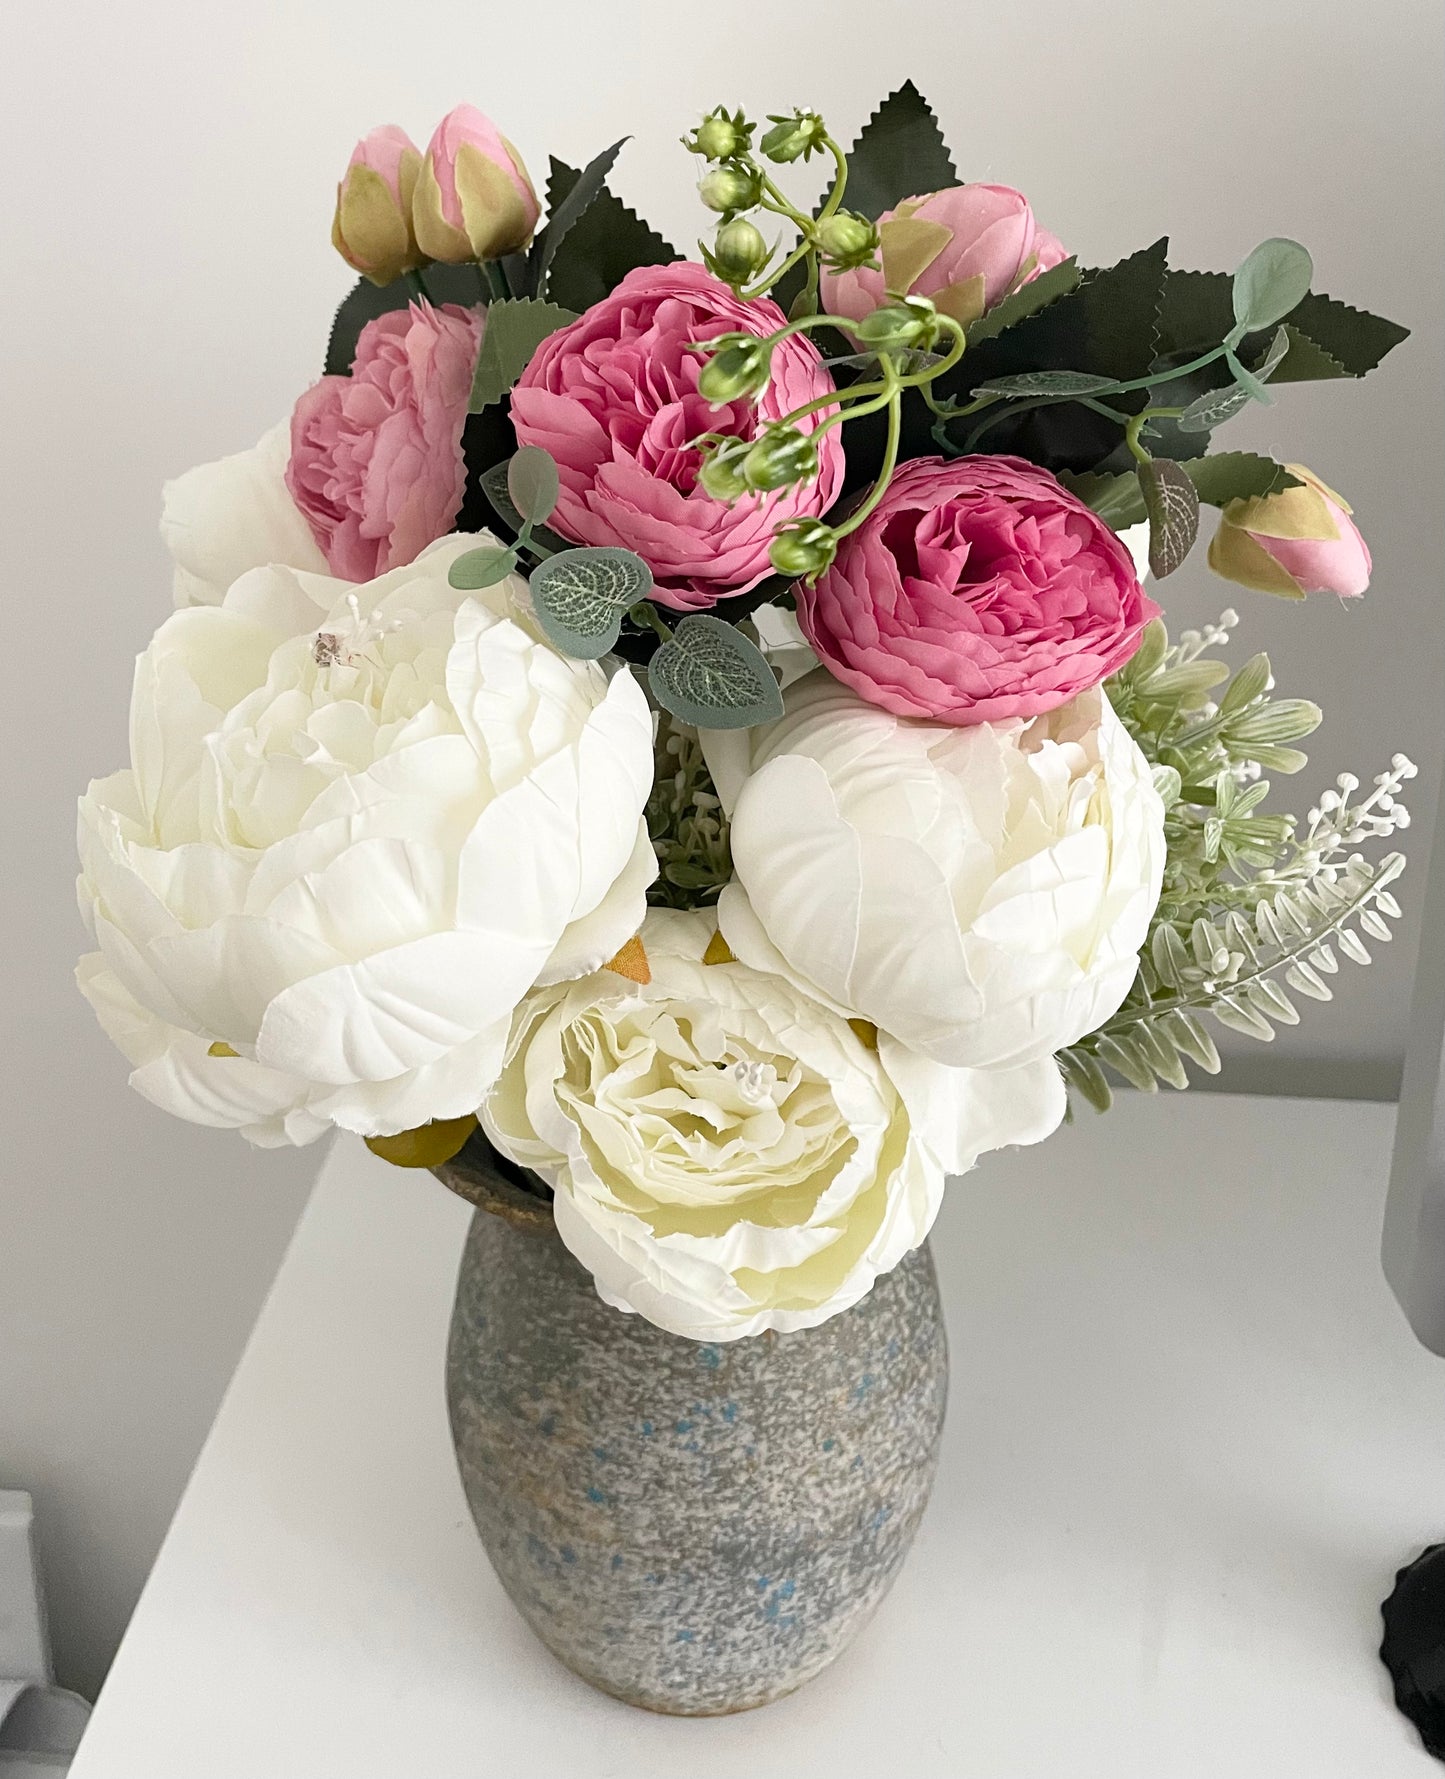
column 1252, row 909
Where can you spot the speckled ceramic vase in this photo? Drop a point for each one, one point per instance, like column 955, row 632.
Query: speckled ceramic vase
column 695, row 1529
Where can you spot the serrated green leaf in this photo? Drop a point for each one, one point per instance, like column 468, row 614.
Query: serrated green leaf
column 533, row 483
column 1027, row 300
column 1224, row 476
column 1115, row 498
column 1172, row 503
column 710, row 675
column 569, row 193
column 900, row 153
column 1305, row 361
column 481, row 568
column 1351, row 337
column 1271, row 283
column 606, row 242
column 365, row 301
column 1048, row 383
column 579, row 597
column 514, row 331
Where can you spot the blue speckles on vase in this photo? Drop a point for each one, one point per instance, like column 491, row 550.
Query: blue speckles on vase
column 691, row 1527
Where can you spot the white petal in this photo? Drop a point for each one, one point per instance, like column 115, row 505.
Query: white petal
column 223, row 518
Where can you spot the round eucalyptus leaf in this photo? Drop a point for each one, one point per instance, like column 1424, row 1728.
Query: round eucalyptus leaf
column 1273, row 281
column 481, row 568
column 532, row 482
column 712, row 676
column 579, row 597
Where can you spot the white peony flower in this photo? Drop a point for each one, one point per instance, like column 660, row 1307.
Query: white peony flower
column 221, row 519
column 728, row 1155
column 981, row 893
column 345, row 849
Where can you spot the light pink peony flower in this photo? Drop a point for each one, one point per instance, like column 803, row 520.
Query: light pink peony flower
column 474, row 199
column 977, row 589
column 965, row 248
column 1299, row 541
column 376, row 458
column 614, row 398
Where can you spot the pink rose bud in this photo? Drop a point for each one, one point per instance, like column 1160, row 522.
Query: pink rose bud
column 1299, row 541
column 966, row 248
column 977, row 589
column 474, row 200
column 376, row 458
column 372, row 230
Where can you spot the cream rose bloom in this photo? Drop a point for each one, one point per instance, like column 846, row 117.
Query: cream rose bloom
column 347, row 846
column 980, row 893
column 729, row 1156
column 221, row 519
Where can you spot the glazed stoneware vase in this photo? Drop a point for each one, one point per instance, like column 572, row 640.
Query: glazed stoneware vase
column 693, row 1528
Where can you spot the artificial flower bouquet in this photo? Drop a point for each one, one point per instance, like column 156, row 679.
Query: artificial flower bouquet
column 700, row 726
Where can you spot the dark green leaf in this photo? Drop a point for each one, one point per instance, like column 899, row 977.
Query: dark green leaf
column 481, row 568
column 1306, row 362
column 1352, row 337
column 900, row 153
column 1027, row 300
column 532, row 482
column 1195, row 313
column 1270, row 284
column 513, row 333
column 1232, row 475
column 604, row 244
column 1115, row 498
column 1048, row 383
column 568, row 195
column 710, row 675
column 579, row 597
column 1172, row 503
column 365, row 301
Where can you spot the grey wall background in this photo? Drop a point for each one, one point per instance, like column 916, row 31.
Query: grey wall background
column 169, row 285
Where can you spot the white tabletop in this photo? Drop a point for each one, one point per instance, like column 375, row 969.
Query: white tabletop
column 1190, row 1439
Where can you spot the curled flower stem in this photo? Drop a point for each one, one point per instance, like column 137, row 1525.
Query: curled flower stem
column 778, row 202
column 894, row 400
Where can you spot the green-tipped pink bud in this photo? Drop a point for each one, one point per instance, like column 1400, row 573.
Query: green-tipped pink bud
column 804, row 548
column 782, row 456
column 372, row 228
column 739, row 368
column 473, row 200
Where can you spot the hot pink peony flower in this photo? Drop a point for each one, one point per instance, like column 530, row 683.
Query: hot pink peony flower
column 376, row 458
column 978, row 589
column 614, row 398
column 966, row 248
